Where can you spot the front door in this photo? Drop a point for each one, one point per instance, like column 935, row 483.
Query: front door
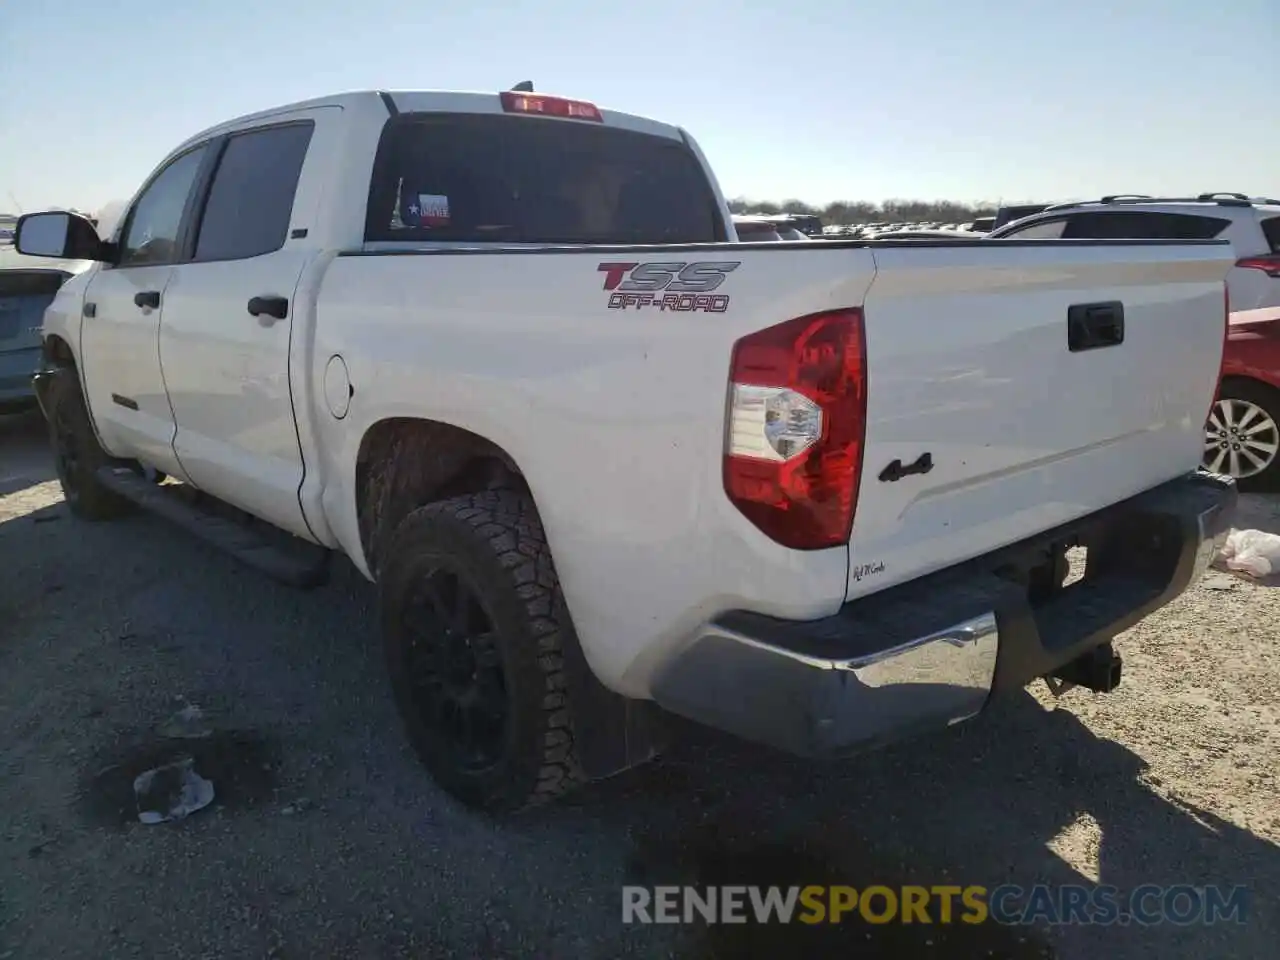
column 119, row 339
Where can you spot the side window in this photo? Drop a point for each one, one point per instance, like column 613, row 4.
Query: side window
column 151, row 235
column 1044, row 230
column 251, row 200
column 1134, row 225
column 1271, row 230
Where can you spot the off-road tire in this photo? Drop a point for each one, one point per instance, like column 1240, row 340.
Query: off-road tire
column 494, row 543
column 77, row 453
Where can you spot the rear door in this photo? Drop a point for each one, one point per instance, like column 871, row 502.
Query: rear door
column 1038, row 382
column 224, row 342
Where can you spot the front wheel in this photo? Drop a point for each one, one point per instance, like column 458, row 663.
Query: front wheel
column 474, row 629
column 1242, row 435
column 76, row 452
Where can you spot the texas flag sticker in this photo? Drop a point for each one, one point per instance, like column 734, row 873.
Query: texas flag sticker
column 433, row 210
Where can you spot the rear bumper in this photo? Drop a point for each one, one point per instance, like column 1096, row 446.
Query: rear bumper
column 932, row 652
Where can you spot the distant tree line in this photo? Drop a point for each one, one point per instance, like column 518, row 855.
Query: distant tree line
column 863, row 211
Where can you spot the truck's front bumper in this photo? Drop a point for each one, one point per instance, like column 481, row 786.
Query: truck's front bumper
column 931, row 652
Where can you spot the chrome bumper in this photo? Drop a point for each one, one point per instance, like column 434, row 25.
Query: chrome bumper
column 930, row 653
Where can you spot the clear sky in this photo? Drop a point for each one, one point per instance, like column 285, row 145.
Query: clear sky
column 816, row 99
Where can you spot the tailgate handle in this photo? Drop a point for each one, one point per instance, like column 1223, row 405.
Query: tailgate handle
column 896, row 471
column 1091, row 326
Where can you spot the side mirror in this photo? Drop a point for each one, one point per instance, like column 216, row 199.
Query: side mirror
column 66, row 236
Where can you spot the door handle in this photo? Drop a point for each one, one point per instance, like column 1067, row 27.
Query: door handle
column 270, row 305
column 147, row 298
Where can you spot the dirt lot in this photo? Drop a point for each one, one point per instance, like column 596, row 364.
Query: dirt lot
column 327, row 840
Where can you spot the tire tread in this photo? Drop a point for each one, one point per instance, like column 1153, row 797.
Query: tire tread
column 507, row 524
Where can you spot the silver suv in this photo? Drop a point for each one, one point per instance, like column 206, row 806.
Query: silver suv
column 1252, row 224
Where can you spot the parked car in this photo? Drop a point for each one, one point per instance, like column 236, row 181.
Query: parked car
column 788, row 232
column 806, row 225
column 1242, row 435
column 1251, row 224
column 597, row 458
column 1013, row 212
column 27, row 287
column 755, row 229
column 924, row 235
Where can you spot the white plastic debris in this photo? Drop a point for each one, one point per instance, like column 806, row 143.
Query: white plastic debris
column 1221, row 581
column 171, row 792
column 1254, row 552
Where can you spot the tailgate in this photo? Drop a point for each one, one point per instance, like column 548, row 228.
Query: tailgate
column 1025, row 424
column 24, row 295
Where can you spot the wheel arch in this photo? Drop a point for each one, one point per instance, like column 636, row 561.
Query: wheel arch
column 57, row 352
column 1242, row 379
column 404, row 463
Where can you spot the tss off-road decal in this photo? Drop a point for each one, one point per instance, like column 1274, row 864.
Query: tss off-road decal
column 681, row 287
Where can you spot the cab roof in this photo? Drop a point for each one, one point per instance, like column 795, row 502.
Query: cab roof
column 427, row 101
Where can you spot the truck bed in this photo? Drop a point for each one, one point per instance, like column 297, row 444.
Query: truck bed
column 622, row 399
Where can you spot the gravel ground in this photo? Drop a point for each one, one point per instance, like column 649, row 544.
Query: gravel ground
column 327, row 840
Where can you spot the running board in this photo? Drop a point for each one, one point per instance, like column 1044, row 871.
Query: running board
column 305, row 566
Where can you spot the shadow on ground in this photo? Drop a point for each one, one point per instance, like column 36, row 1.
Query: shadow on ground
column 24, row 448
column 971, row 806
column 115, row 620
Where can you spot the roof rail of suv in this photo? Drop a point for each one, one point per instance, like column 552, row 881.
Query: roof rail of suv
column 1221, row 198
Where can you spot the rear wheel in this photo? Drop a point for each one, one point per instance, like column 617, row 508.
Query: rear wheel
column 1242, row 435
column 474, row 627
column 76, row 452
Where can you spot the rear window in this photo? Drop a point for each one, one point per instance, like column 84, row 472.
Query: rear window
column 1134, row 225
column 478, row 178
column 1271, row 230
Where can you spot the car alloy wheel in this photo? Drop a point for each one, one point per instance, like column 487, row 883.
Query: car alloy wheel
column 1241, row 439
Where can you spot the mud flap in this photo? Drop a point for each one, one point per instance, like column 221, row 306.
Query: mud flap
column 612, row 733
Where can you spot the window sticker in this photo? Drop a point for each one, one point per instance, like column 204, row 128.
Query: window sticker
column 431, row 210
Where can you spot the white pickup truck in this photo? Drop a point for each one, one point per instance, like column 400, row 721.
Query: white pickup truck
column 504, row 352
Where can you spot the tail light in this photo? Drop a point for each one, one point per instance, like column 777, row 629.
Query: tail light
column 1269, row 265
column 797, row 422
column 540, row 104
